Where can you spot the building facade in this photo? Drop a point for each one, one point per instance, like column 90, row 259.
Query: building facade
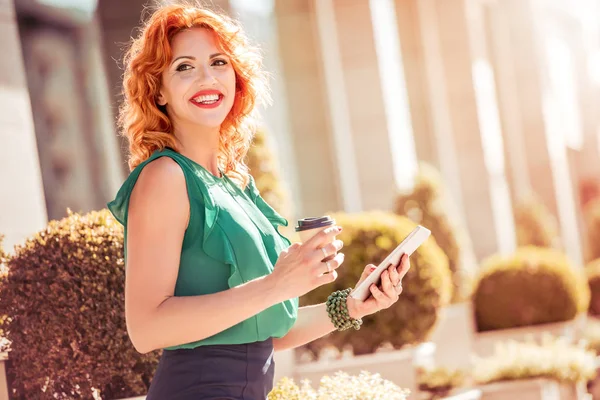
column 499, row 95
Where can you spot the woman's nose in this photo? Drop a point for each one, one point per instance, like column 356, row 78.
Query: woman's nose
column 205, row 75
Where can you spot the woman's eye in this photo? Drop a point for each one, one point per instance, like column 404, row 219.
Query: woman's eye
column 219, row 62
column 184, row 67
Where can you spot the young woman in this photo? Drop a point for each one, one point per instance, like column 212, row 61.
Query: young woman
column 209, row 278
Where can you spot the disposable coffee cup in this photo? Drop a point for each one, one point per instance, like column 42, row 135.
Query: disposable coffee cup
column 308, row 227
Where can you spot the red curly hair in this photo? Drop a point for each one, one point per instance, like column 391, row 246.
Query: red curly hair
column 147, row 128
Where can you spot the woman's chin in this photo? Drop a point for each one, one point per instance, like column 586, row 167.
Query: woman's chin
column 209, row 120
column 208, row 123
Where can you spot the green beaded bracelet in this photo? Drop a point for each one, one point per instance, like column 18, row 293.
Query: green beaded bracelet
column 337, row 309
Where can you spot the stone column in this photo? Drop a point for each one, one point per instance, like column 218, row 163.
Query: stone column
column 316, row 123
column 582, row 34
column 502, row 58
column 118, row 20
column 588, row 160
column 373, row 130
column 109, row 165
column 552, row 28
column 426, row 88
column 461, row 81
column 535, row 138
column 585, row 161
column 528, row 85
column 21, row 193
column 416, row 72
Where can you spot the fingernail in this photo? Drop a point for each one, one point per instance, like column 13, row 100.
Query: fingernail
column 373, row 268
column 339, row 229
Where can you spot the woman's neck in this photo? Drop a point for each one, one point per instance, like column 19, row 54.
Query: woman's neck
column 201, row 146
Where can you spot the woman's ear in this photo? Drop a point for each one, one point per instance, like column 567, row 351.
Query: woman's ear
column 160, row 99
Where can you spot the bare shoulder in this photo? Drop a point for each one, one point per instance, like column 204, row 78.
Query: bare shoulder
column 160, row 172
column 161, row 188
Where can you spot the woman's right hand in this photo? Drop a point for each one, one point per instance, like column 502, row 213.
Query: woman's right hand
column 300, row 268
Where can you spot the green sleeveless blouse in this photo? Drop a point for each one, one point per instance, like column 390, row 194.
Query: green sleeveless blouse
column 232, row 238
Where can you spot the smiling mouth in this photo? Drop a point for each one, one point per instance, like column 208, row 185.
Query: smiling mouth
column 207, row 99
column 211, row 100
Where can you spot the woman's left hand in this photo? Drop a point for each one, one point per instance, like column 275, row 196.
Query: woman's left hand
column 391, row 288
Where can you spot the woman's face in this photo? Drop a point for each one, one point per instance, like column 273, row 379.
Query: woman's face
column 198, row 86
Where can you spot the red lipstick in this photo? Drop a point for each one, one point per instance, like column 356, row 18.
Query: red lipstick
column 207, row 98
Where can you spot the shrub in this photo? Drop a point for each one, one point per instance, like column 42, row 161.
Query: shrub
column 535, row 225
column 554, row 359
column 591, row 335
column 264, row 168
column 64, row 297
column 440, row 381
column 341, row 386
column 593, row 276
column 429, row 205
column 3, row 274
column 368, row 238
column 532, row 286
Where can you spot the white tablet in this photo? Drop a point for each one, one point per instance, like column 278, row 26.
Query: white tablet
column 408, row 246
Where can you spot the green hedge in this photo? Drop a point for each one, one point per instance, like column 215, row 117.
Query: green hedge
column 428, row 204
column 593, row 276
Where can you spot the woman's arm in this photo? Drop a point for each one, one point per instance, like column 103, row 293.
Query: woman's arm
column 313, row 321
column 157, row 219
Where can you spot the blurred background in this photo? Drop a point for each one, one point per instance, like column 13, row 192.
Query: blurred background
column 477, row 118
column 501, row 97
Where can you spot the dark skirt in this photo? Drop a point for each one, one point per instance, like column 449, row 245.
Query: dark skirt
column 224, row 372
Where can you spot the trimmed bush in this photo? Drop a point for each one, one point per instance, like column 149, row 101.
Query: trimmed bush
column 554, row 358
column 591, row 335
column 532, row 286
column 3, row 274
column 64, row 298
column 368, row 238
column 429, row 205
column 593, row 276
column 535, row 225
column 438, row 382
column 264, row 168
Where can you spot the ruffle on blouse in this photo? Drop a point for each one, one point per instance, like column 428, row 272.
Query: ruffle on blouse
column 215, row 242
